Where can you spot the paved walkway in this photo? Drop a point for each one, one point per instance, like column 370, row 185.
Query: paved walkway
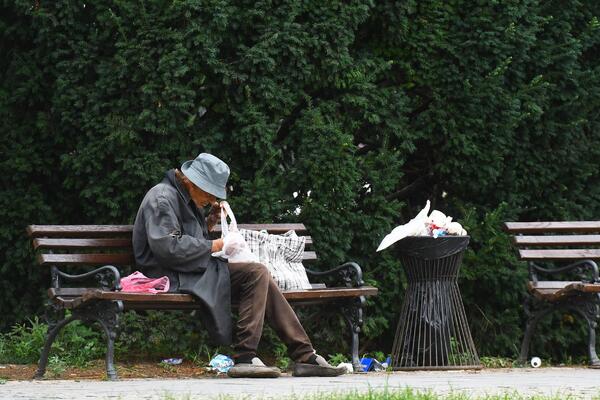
column 577, row 382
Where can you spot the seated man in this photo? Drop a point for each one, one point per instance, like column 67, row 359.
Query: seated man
column 170, row 237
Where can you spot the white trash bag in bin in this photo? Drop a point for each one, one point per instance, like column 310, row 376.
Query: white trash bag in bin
column 414, row 227
column 235, row 249
column 436, row 224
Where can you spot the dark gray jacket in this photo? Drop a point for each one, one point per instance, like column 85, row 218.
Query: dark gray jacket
column 170, row 237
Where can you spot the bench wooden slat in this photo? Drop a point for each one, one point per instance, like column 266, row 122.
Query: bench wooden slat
column 86, row 259
column 271, row 228
column 333, row 292
column 588, row 287
column 78, row 231
column 53, row 292
column 292, row 295
column 552, row 226
column 554, row 285
column 111, row 258
column 559, row 255
column 87, row 231
column 557, row 240
column 550, row 290
column 111, row 295
column 47, row 243
column 550, row 295
column 556, row 290
column 56, row 243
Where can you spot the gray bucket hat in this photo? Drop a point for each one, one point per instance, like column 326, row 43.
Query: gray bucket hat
column 208, row 173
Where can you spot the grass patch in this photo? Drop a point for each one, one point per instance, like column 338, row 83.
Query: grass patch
column 409, row 394
column 77, row 345
column 498, row 362
column 147, row 336
column 406, row 394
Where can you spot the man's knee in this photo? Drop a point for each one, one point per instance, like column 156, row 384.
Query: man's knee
column 258, row 272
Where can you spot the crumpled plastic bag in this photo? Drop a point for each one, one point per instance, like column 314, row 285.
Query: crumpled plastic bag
column 371, row 364
column 172, row 361
column 454, row 228
column 235, row 249
column 438, row 224
column 435, row 224
column 221, row 363
column 438, row 218
column 140, row 283
column 348, row 366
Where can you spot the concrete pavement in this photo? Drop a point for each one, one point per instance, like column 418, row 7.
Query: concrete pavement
column 576, row 382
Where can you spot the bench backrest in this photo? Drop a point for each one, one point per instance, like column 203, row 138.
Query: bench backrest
column 556, row 240
column 95, row 245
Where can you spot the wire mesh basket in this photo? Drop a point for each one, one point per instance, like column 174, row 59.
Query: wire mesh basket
column 432, row 331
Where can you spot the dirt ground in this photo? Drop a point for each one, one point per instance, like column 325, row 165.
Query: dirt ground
column 96, row 370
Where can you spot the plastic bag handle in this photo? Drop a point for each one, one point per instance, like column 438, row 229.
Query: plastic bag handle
column 226, row 211
column 224, row 228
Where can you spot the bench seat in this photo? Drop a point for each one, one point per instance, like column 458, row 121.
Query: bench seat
column 74, row 297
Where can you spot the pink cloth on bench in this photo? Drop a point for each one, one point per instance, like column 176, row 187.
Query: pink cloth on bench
column 138, row 282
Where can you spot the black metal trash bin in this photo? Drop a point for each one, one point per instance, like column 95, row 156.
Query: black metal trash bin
column 432, row 331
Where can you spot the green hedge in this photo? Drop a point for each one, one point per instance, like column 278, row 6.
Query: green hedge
column 353, row 112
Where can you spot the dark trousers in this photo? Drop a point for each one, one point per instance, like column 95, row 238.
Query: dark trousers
column 259, row 297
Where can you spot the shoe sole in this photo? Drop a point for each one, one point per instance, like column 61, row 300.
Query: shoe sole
column 253, row 372
column 304, row 370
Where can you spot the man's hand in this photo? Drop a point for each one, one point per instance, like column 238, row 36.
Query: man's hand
column 214, row 215
column 217, row 245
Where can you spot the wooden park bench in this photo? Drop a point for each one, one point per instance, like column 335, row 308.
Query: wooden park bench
column 562, row 273
column 106, row 251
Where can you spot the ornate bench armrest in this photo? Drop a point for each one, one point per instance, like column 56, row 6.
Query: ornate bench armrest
column 108, row 277
column 349, row 273
column 578, row 268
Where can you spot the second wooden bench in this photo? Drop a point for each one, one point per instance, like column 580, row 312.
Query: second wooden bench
column 563, row 274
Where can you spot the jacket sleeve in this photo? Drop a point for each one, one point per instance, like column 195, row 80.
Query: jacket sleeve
column 179, row 252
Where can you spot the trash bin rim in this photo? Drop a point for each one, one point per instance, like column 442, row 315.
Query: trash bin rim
column 426, row 247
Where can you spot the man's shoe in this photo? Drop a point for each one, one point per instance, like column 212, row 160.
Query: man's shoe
column 317, row 366
column 253, row 369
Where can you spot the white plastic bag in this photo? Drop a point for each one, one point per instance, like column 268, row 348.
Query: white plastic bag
column 235, row 249
column 437, row 224
column 439, row 219
column 414, row 227
column 454, row 228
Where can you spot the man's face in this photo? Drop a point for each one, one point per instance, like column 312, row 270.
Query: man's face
column 200, row 197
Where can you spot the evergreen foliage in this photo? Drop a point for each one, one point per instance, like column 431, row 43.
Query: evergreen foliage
column 352, row 112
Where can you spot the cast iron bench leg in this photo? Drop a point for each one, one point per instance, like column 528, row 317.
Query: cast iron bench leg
column 594, row 361
column 110, row 323
column 53, row 329
column 105, row 313
column 354, row 316
column 533, row 317
column 108, row 318
column 590, row 310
